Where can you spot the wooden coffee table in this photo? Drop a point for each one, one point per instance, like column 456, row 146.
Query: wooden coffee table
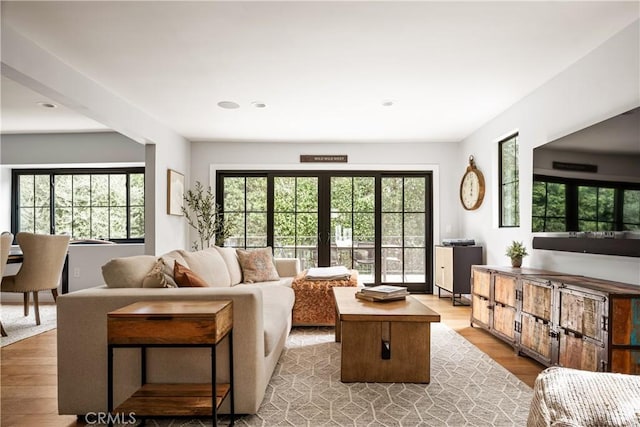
column 383, row 341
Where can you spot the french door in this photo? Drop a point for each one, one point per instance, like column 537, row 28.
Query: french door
column 378, row 223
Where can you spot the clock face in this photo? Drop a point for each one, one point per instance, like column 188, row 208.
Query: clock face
column 472, row 190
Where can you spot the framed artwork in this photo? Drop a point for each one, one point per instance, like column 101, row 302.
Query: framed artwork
column 175, row 192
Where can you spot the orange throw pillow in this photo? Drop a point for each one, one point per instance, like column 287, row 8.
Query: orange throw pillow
column 186, row 278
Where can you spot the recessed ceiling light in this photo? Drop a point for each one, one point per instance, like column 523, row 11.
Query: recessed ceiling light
column 47, row 105
column 229, row 105
column 259, row 104
column 388, row 103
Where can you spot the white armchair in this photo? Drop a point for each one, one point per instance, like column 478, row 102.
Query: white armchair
column 41, row 268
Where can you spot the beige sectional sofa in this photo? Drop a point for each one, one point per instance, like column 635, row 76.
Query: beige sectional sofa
column 261, row 316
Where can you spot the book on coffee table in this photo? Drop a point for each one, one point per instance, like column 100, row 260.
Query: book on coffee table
column 385, row 290
column 376, row 298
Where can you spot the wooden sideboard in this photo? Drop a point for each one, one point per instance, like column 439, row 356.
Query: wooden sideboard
column 559, row 319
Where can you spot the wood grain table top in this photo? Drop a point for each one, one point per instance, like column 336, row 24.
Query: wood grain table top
column 350, row 308
column 170, row 308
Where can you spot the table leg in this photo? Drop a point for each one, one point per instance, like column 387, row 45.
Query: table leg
column 338, row 326
column 214, row 408
column 110, row 382
column 232, row 402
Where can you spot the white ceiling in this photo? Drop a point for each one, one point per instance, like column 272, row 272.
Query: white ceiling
column 322, row 68
column 22, row 112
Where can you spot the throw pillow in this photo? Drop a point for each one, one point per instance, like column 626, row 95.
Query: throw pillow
column 127, row 272
column 257, row 265
column 159, row 277
column 186, row 278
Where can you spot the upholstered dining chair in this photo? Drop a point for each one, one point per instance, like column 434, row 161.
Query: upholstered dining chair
column 44, row 257
column 5, row 246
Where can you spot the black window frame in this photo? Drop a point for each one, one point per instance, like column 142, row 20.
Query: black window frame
column 324, row 217
column 52, row 172
column 515, row 182
column 572, row 219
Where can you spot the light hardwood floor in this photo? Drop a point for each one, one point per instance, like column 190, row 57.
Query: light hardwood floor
column 28, row 390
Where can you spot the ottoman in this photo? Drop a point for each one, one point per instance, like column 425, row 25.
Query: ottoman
column 315, row 305
column 569, row 397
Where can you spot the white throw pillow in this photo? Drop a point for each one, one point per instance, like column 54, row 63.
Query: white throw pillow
column 233, row 265
column 127, row 272
column 209, row 265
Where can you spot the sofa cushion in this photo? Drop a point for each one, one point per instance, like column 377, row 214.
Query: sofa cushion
column 186, row 278
column 209, row 265
column 127, row 272
column 159, row 277
column 257, row 265
column 277, row 303
column 233, row 266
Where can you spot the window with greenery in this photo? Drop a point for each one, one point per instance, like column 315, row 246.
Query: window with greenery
column 548, row 206
column 595, row 208
column 509, row 183
column 245, row 209
column 105, row 204
column 378, row 223
column 631, row 210
column 567, row 204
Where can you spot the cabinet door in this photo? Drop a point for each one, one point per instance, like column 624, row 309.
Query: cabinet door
column 444, row 268
column 625, row 361
column 625, row 331
column 625, row 321
column 537, row 299
column 580, row 352
column 582, row 312
column 504, row 318
column 505, row 289
column 535, row 338
column 480, row 310
column 481, row 283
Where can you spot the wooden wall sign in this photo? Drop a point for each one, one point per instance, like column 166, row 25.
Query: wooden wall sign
column 323, row 158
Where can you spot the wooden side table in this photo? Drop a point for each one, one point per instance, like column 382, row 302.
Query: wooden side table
column 172, row 324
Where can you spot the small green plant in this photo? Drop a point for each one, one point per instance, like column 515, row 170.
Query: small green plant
column 516, row 250
column 203, row 213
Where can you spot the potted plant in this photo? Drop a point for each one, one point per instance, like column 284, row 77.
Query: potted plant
column 203, row 213
column 516, row 251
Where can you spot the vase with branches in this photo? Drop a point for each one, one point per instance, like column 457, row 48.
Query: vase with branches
column 203, row 213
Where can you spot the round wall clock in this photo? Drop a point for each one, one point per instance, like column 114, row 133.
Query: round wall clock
column 472, row 187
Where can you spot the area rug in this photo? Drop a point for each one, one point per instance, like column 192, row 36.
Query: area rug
column 467, row 389
column 19, row 327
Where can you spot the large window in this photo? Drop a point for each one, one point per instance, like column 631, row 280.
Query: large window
column 567, row 204
column 106, row 204
column 509, row 183
column 378, row 223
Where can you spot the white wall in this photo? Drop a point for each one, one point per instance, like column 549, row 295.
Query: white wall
column 436, row 157
column 70, row 148
column 602, row 84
